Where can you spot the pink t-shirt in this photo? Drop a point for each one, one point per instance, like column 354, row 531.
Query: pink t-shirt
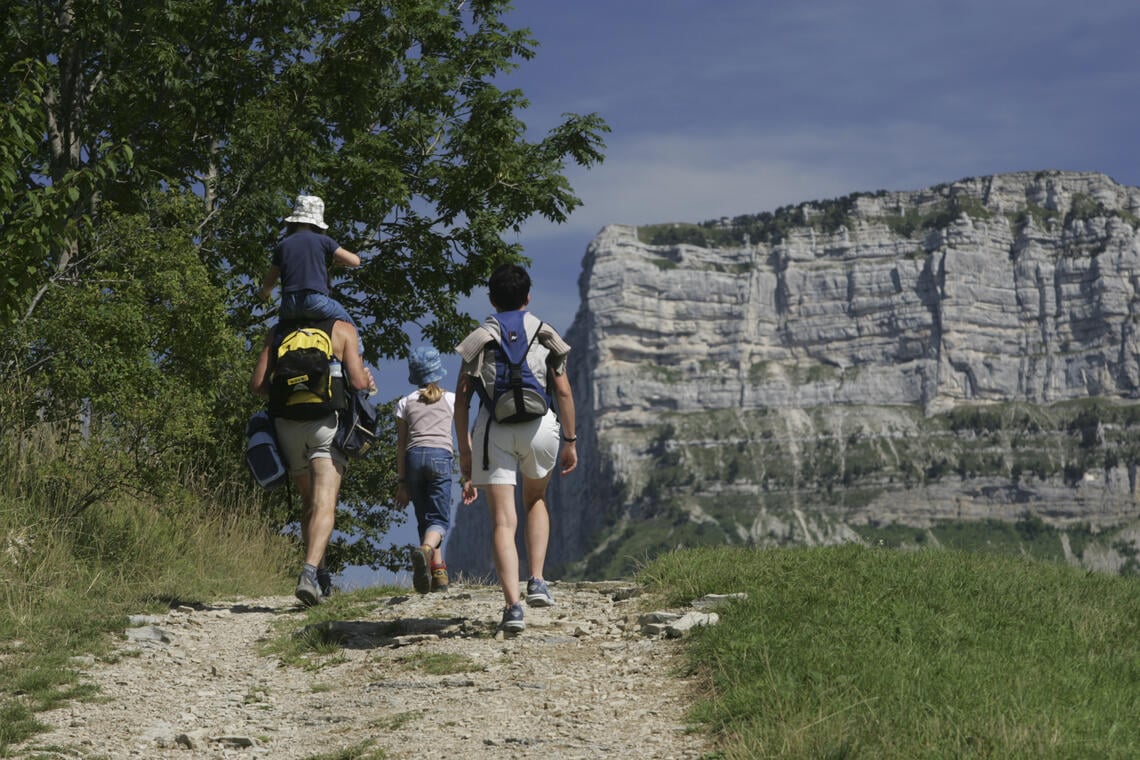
column 429, row 425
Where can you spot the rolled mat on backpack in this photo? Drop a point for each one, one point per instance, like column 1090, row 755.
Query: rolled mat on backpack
column 262, row 455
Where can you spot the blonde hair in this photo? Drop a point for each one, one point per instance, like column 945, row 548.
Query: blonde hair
column 431, row 393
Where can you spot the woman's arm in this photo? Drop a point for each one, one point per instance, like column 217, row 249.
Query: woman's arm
column 402, row 497
column 464, row 389
column 564, row 402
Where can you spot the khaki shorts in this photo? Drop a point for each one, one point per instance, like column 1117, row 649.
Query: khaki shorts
column 303, row 440
column 527, row 447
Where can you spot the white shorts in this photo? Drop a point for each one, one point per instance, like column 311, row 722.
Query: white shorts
column 302, row 440
column 527, row 447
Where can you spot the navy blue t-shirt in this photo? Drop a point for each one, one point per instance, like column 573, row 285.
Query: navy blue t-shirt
column 304, row 259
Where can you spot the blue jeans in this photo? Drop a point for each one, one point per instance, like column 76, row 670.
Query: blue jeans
column 309, row 304
column 428, row 472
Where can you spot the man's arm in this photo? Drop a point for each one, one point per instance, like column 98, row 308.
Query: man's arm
column 344, row 345
column 259, row 380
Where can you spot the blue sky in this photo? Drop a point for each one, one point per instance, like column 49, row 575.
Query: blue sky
column 727, row 107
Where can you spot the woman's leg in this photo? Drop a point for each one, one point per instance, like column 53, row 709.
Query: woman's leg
column 504, row 522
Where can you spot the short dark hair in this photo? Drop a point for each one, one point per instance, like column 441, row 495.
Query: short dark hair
column 291, row 227
column 509, row 287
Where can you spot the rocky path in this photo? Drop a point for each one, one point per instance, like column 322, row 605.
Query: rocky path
column 586, row 680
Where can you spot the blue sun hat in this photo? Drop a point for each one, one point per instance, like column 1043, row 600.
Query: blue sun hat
column 425, row 366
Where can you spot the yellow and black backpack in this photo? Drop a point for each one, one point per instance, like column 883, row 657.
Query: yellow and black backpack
column 302, row 386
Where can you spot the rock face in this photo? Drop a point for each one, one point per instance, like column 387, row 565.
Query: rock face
column 963, row 352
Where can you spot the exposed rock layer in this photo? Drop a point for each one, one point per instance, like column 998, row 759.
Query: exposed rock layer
column 791, row 377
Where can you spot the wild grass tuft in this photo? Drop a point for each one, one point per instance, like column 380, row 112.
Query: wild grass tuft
column 363, row 751
column 441, row 663
column 70, row 577
column 852, row 652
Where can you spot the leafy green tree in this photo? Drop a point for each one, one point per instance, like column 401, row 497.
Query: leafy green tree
column 149, row 150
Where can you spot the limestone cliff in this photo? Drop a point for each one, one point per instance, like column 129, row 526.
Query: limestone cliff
column 963, row 352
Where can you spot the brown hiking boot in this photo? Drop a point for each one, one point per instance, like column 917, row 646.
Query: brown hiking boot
column 439, row 578
column 421, row 573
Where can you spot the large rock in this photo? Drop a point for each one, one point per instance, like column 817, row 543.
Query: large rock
column 790, row 377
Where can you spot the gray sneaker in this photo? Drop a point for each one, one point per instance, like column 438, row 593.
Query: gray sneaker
column 537, row 594
column 308, row 591
column 324, row 580
column 513, row 619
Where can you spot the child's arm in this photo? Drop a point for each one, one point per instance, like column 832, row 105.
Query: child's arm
column 269, row 283
column 345, row 258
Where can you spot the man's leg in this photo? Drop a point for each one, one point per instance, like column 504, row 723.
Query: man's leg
column 326, row 476
column 316, row 527
column 304, row 486
column 304, row 483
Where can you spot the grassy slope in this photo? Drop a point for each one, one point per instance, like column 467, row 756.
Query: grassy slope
column 838, row 652
column 66, row 585
column 855, row 652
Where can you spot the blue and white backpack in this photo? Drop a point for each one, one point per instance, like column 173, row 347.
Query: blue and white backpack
column 513, row 388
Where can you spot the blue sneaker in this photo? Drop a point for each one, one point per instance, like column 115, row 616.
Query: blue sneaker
column 513, row 619
column 537, row 594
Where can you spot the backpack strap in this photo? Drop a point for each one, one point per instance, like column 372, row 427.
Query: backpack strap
column 516, row 371
column 486, row 444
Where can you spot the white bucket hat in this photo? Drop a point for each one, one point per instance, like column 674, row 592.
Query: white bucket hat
column 309, row 209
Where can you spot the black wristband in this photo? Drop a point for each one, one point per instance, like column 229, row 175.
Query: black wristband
column 570, row 440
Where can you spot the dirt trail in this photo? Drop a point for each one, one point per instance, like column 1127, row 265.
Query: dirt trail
column 583, row 681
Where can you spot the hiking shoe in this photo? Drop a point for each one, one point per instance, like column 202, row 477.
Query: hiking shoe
column 324, row 580
column 308, row 591
column 421, row 569
column 513, row 619
column 537, row 594
column 439, row 579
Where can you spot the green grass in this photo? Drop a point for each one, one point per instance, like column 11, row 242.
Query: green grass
column 440, row 663
column 852, row 652
column 842, row 652
column 362, row 751
column 69, row 582
column 315, row 645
